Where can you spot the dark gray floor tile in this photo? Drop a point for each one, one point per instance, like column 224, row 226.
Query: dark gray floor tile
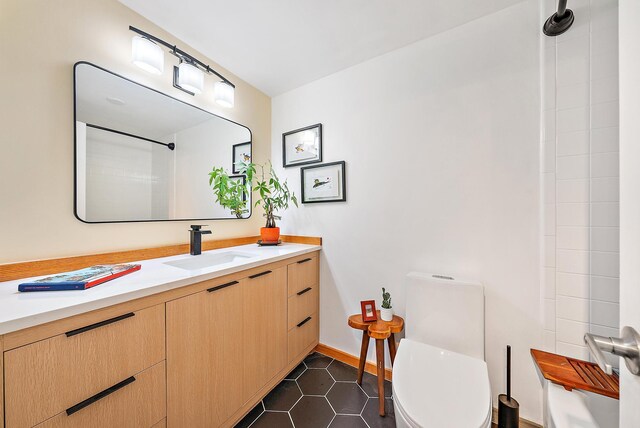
column 344, row 421
column 342, row 371
column 370, row 386
column 295, row 373
column 315, row 382
column 372, row 417
column 312, row 412
column 273, row 420
column 251, row 416
column 283, row 396
column 317, row 361
column 347, row 397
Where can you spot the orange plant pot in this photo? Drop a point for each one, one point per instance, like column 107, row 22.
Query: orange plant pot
column 270, row 234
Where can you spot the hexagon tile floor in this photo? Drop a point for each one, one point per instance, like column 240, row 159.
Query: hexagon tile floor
column 322, row 392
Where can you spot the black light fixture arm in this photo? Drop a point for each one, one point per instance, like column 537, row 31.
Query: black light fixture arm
column 181, row 54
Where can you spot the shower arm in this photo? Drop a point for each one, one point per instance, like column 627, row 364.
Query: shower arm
column 562, row 8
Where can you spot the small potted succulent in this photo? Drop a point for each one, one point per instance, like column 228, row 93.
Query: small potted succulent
column 386, row 311
column 230, row 192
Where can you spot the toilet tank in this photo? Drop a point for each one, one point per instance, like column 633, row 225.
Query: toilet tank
column 445, row 312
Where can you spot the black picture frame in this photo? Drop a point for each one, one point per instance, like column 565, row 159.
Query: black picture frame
column 343, row 185
column 233, row 156
column 290, row 164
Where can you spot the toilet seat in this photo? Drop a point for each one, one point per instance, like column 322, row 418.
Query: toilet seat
column 433, row 387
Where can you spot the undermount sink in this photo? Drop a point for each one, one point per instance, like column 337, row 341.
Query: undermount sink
column 208, row 260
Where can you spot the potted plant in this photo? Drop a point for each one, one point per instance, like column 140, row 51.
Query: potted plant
column 386, row 312
column 274, row 196
column 231, row 193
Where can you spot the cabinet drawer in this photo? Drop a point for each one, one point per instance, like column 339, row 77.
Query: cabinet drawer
column 302, row 274
column 301, row 305
column 44, row 378
column 304, row 335
column 138, row 401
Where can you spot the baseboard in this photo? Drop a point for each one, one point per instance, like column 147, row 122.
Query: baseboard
column 524, row 423
column 351, row 360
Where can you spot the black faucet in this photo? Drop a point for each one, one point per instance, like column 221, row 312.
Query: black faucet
column 196, row 238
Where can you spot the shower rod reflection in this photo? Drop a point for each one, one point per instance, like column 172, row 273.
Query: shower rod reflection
column 170, row 146
column 560, row 21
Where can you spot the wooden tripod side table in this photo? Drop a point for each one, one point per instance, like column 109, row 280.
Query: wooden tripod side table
column 378, row 330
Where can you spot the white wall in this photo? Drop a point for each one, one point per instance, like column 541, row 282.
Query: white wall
column 629, row 196
column 581, row 170
column 441, row 140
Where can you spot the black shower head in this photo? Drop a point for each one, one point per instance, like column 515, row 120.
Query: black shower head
column 560, row 21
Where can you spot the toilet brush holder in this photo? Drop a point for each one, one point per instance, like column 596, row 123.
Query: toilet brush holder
column 508, row 407
column 508, row 412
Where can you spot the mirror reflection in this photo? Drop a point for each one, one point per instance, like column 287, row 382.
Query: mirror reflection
column 144, row 156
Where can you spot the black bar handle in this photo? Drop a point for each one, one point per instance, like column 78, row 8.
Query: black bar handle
column 99, row 324
column 81, row 405
column 228, row 284
column 266, row 272
column 300, row 293
column 306, row 320
column 303, row 261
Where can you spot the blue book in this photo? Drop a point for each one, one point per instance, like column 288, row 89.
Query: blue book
column 79, row 279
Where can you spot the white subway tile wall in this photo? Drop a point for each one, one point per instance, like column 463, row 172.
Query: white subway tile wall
column 580, row 171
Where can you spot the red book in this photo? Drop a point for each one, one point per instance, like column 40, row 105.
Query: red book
column 79, row 279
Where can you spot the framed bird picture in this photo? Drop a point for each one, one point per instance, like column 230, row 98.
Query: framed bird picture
column 302, row 146
column 323, row 183
column 241, row 153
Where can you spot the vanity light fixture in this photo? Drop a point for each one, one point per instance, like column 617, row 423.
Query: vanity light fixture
column 187, row 76
column 147, row 55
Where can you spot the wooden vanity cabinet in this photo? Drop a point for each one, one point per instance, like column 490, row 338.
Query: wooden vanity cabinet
column 204, row 356
column 264, row 332
column 199, row 356
column 48, row 377
column 303, row 283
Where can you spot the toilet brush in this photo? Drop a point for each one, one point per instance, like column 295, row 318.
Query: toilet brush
column 508, row 408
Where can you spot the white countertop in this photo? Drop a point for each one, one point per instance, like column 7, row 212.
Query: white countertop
column 21, row 310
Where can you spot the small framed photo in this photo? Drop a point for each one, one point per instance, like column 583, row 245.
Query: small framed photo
column 241, row 153
column 368, row 308
column 302, row 146
column 323, row 183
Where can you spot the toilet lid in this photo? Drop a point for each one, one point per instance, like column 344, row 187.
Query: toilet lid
column 434, row 387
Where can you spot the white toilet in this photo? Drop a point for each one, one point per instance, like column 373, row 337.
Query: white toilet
column 440, row 378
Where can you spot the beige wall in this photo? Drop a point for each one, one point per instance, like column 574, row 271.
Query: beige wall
column 40, row 40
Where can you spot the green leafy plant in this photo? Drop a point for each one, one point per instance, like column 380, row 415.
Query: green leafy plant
column 274, row 195
column 231, row 193
column 386, row 299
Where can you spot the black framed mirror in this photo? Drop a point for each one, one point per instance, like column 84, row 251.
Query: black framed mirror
column 142, row 155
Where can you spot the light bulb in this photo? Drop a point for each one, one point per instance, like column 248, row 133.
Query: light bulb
column 224, row 94
column 190, row 78
column 147, row 55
